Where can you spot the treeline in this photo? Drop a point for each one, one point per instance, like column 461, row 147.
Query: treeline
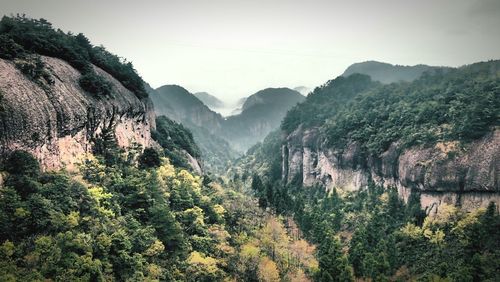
column 23, row 39
column 373, row 234
column 460, row 104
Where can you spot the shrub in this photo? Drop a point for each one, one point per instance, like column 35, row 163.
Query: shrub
column 9, row 49
column 95, row 84
column 22, row 163
column 149, row 158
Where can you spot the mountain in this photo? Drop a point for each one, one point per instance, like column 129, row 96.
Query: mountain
column 239, row 106
column 261, row 113
column 387, row 73
column 180, row 105
column 211, row 101
column 302, row 90
column 436, row 136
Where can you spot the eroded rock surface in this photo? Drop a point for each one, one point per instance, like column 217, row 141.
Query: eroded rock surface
column 58, row 123
column 446, row 173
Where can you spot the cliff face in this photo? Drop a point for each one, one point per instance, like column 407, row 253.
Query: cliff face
column 467, row 177
column 58, row 123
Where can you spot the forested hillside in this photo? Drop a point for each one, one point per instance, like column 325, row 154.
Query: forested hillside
column 374, row 231
column 387, row 73
column 361, row 181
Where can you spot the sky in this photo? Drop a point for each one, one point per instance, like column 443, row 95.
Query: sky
column 233, row 48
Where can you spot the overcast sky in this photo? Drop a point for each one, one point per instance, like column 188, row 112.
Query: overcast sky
column 233, row 48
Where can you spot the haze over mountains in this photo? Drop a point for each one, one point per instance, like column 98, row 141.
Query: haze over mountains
column 388, row 73
column 253, row 117
column 384, row 173
column 260, row 113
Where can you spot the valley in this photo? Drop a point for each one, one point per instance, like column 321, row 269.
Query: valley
column 383, row 173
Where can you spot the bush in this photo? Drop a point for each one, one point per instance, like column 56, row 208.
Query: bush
column 95, row 84
column 22, row 163
column 149, row 158
column 9, row 49
column 34, row 68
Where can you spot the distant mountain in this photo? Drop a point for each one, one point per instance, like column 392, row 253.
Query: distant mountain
column 387, row 73
column 261, row 113
column 211, row 101
column 302, row 90
column 239, row 105
column 180, row 105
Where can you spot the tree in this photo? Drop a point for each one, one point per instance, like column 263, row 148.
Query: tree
column 333, row 263
column 22, row 163
column 149, row 158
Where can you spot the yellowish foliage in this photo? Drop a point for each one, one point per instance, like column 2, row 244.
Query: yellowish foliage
column 412, row 231
column 268, row 271
column 21, row 212
column 7, row 249
column 98, row 194
column 208, row 264
column 73, row 219
column 249, row 251
column 154, row 272
column 155, row 248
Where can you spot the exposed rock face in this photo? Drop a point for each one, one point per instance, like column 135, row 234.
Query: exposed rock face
column 444, row 173
column 57, row 123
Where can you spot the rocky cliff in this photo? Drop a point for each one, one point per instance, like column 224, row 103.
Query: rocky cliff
column 445, row 173
column 58, row 122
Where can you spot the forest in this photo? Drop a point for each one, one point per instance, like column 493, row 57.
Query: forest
column 453, row 105
column 144, row 214
column 132, row 216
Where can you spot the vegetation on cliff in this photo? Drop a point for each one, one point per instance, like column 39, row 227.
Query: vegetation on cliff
column 23, row 38
column 373, row 234
column 459, row 104
column 175, row 140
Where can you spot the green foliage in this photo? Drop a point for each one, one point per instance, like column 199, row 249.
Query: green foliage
column 372, row 234
column 175, row 138
column 459, row 104
column 149, row 158
column 117, row 223
column 9, row 49
column 22, row 163
column 325, row 101
column 20, row 36
column 95, row 84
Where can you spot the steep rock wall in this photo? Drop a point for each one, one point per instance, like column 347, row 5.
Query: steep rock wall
column 58, row 122
column 466, row 177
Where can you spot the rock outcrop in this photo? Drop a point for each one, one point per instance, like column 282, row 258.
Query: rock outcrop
column 446, row 173
column 58, row 123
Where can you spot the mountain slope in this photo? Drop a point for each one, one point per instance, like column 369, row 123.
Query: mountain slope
column 61, row 97
column 436, row 134
column 261, row 113
column 180, row 105
column 387, row 73
column 211, row 101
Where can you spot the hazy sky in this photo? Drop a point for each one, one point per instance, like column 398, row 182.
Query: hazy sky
column 234, row 48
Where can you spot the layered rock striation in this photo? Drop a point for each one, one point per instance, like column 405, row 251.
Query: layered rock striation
column 445, row 173
column 59, row 122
